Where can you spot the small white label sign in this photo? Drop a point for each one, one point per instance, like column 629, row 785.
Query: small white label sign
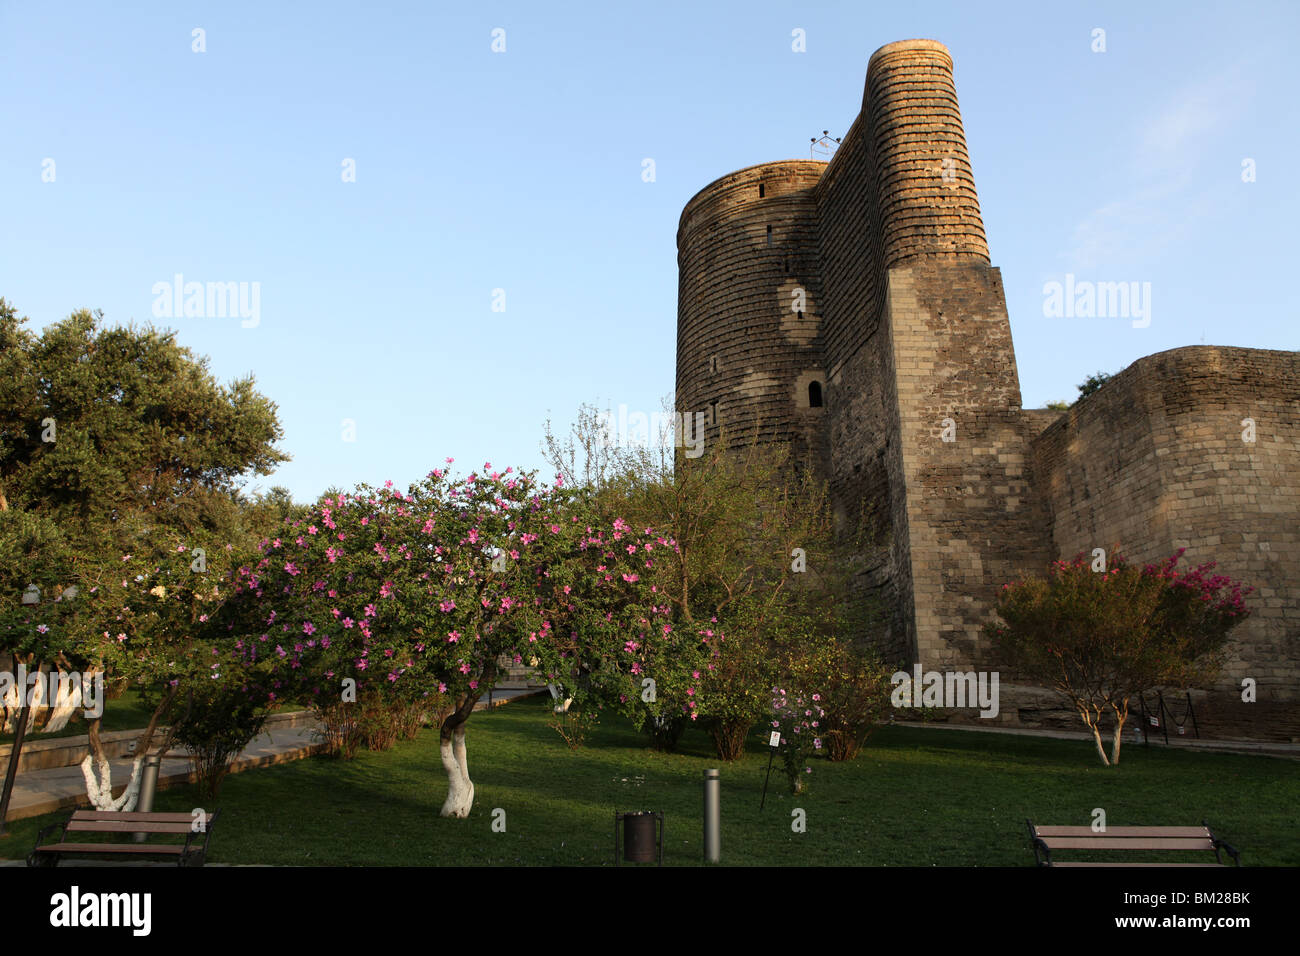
column 775, row 739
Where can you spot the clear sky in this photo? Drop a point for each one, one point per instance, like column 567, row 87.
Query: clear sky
column 522, row 171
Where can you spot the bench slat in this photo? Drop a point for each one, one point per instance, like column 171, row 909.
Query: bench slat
column 136, row 816
column 112, row 848
column 1106, row 842
column 127, row 826
column 1129, row 865
column 1124, row 831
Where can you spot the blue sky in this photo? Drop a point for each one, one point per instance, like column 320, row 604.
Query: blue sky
column 522, row 170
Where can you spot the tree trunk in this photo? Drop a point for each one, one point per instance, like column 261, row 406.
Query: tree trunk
column 99, row 777
column 1096, row 736
column 67, row 700
column 1121, row 715
column 460, row 789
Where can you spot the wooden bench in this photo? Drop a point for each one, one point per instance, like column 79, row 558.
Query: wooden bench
column 189, row 853
column 1047, row 839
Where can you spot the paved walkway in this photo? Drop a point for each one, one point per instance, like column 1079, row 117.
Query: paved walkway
column 1267, row 748
column 45, row 791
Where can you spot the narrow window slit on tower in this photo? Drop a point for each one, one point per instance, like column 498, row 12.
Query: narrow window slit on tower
column 713, row 413
column 769, row 235
column 713, row 364
column 760, row 190
column 814, row 392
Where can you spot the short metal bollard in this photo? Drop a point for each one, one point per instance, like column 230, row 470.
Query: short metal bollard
column 712, row 816
column 148, row 786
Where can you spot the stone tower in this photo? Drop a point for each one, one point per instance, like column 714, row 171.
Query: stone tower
column 849, row 310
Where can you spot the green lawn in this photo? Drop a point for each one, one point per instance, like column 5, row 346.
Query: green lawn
column 914, row 797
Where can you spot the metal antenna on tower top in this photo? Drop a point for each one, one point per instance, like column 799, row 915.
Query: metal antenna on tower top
column 823, row 147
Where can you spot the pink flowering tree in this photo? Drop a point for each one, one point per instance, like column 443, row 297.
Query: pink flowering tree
column 415, row 595
column 622, row 646
column 1102, row 637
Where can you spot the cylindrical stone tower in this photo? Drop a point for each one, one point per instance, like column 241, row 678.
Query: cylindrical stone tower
column 924, row 187
column 748, row 320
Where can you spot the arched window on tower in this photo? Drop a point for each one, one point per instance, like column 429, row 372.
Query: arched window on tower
column 814, row 394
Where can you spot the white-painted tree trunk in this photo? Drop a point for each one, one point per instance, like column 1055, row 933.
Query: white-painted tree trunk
column 99, row 787
column 14, row 703
column 460, row 789
column 66, row 701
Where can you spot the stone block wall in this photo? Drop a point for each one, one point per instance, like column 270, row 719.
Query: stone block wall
column 747, row 257
column 1155, row 461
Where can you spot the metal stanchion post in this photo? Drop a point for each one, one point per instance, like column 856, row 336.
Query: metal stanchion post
column 712, row 816
column 148, row 785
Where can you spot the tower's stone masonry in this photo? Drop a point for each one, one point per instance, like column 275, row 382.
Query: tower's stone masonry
column 1158, row 460
column 850, row 312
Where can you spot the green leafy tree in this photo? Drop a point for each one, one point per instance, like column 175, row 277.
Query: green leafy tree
column 121, row 445
column 1092, row 383
column 98, row 423
column 756, row 558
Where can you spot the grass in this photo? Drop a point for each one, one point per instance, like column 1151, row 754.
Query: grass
column 914, row 797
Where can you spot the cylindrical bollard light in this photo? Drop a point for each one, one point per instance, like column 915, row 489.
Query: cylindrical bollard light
column 712, row 816
column 148, row 784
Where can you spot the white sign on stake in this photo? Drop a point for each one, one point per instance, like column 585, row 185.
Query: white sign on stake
column 775, row 739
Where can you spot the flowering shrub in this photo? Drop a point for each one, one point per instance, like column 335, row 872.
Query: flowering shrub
column 1102, row 637
column 798, row 716
column 736, row 689
column 622, row 649
column 857, row 690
